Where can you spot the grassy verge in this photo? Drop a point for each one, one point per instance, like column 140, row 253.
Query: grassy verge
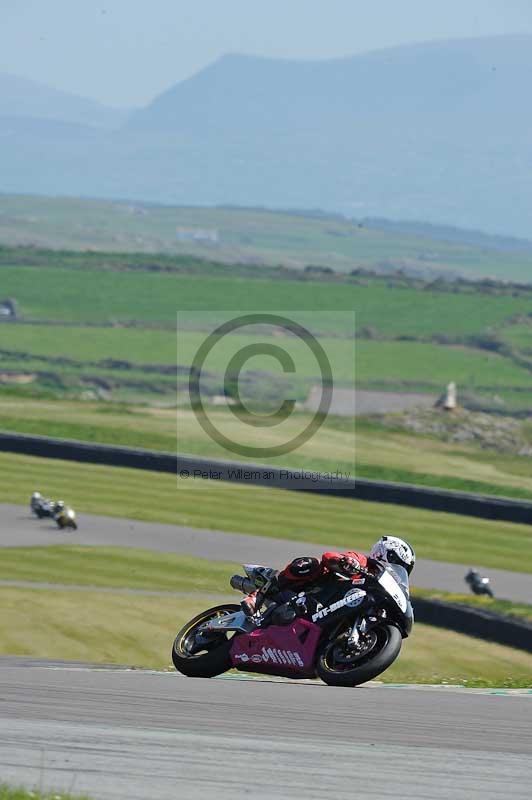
column 507, row 608
column 12, row 793
column 94, row 626
column 99, row 434
column 138, row 630
column 115, row 567
column 373, row 450
column 131, row 568
column 434, row 655
column 260, row 511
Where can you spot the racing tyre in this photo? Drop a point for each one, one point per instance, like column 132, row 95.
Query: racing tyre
column 199, row 655
column 340, row 666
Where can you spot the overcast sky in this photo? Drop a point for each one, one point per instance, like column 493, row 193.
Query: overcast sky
column 124, row 52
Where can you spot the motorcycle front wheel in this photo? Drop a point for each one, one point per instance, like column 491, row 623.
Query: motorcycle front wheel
column 339, row 665
column 203, row 655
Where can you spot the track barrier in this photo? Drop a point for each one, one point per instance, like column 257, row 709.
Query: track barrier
column 402, row 494
column 474, row 622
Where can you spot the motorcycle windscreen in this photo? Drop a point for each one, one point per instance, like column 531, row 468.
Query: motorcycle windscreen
column 401, row 576
column 394, row 580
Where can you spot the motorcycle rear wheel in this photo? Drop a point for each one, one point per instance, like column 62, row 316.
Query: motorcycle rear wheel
column 337, row 667
column 211, row 657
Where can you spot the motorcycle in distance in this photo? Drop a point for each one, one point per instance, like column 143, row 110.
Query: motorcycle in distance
column 479, row 584
column 41, row 506
column 64, row 516
column 345, row 632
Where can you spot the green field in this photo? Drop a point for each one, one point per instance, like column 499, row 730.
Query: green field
column 252, row 235
column 410, row 335
column 89, row 294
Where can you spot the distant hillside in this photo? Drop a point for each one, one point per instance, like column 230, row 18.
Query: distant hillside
column 20, row 97
column 446, row 233
column 411, row 83
column 256, row 236
column 438, row 132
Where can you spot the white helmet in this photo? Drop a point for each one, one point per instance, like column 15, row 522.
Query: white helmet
column 36, row 496
column 394, row 551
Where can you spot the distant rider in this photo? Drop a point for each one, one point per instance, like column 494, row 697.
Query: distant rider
column 36, row 501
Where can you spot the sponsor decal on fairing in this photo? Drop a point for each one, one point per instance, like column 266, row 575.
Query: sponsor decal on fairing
column 273, row 655
column 352, row 599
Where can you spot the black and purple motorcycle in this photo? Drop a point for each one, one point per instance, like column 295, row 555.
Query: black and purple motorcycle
column 345, row 631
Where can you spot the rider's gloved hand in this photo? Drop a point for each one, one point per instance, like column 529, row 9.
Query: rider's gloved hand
column 249, row 604
column 348, row 565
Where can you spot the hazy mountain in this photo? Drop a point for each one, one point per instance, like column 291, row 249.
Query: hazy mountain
column 20, row 97
column 430, row 81
column 439, row 131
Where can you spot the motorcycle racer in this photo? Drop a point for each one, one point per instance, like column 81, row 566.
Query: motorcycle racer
column 36, row 501
column 307, row 572
column 41, row 506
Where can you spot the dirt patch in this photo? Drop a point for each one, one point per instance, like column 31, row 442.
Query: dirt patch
column 19, row 379
column 358, row 402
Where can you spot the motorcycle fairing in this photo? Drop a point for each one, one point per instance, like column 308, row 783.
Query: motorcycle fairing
column 285, row 650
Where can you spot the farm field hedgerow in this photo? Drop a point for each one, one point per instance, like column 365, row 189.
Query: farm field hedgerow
column 409, row 362
column 519, row 336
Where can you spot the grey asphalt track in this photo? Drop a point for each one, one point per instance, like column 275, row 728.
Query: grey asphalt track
column 153, row 736
column 18, row 528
